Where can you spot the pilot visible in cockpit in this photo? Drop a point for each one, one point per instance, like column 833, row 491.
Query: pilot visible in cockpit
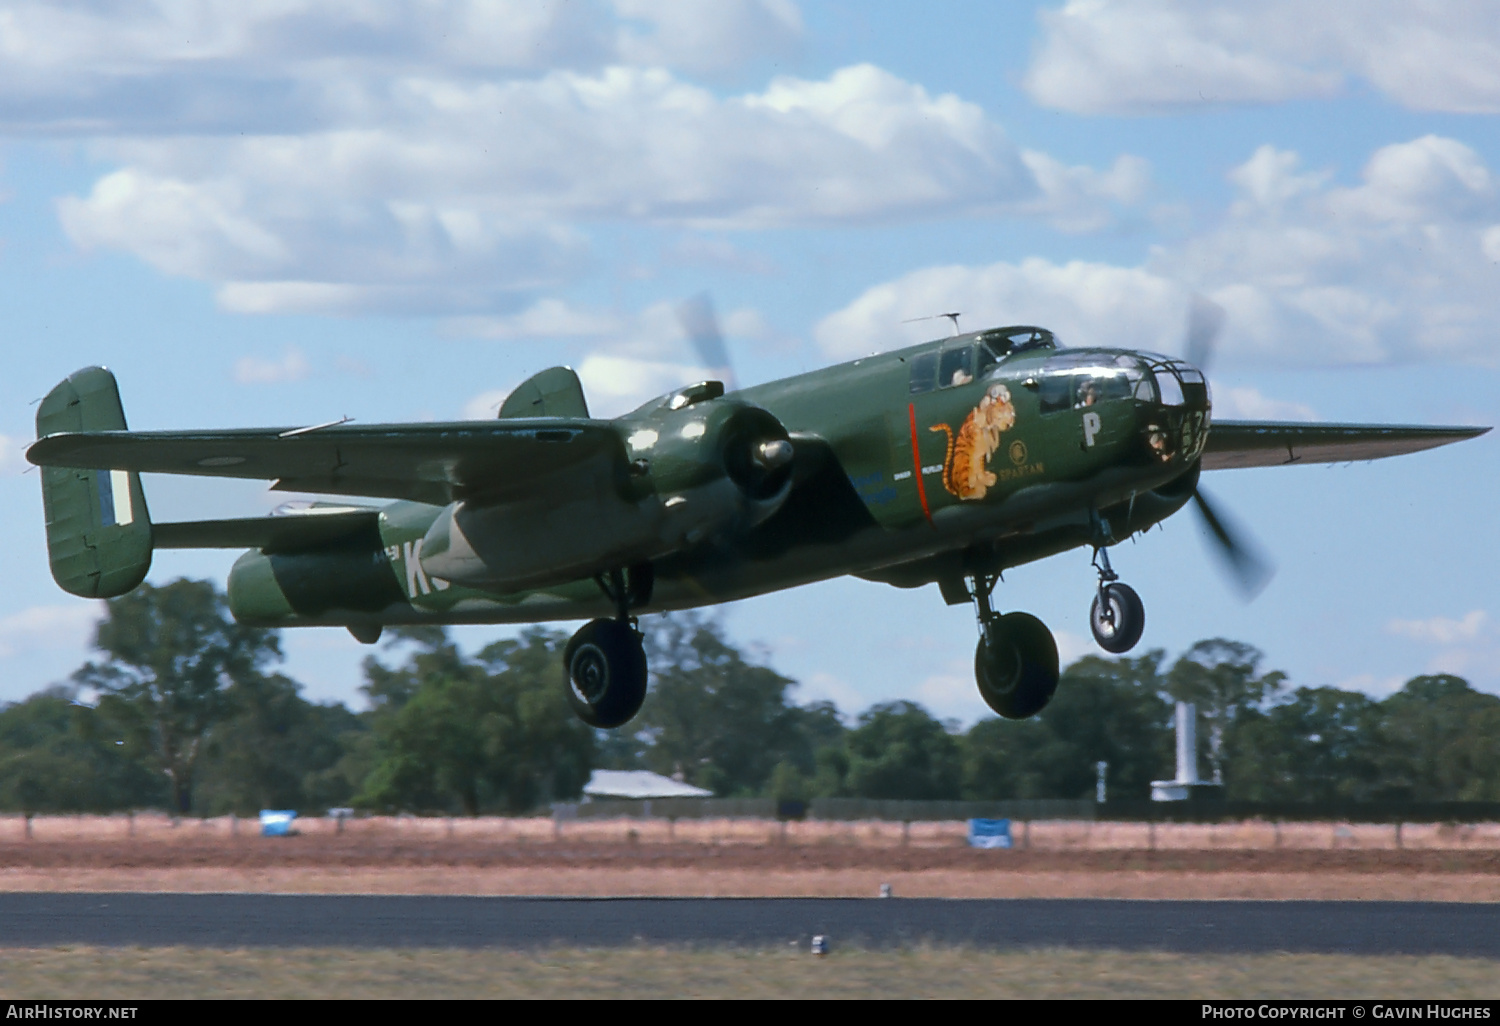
column 1088, row 393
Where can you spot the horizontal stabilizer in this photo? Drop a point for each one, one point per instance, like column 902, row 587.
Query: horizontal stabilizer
column 1249, row 443
column 272, row 534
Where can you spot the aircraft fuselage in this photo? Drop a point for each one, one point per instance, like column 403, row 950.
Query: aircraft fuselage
column 929, row 464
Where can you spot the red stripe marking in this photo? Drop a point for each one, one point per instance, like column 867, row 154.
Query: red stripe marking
column 916, row 461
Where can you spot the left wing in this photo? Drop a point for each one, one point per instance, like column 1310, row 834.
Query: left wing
column 1254, row 443
column 491, row 461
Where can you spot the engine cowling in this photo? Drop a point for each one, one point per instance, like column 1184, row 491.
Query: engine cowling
column 717, row 468
column 695, row 470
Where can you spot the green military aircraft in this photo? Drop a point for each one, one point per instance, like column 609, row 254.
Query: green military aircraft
column 944, row 463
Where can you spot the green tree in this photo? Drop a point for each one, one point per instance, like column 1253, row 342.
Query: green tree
column 1321, row 745
column 173, row 657
column 495, row 732
column 899, row 751
column 1223, row 679
column 1437, row 739
column 59, row 755
column 278, row 751
column 720, row 721
column 1109, row 710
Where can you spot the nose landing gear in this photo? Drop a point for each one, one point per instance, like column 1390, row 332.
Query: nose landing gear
column 606, row 659
column 1117, row 616
column 1015, row 663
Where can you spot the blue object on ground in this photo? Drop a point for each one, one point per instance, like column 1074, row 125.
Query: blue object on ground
column 989, row 833
column 276, row 824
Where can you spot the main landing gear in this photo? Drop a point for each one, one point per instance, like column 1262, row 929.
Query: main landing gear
column 1117, row 616
column 1015, row 664
column 606, row 660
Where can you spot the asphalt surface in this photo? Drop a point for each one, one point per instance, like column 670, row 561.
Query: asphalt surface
column 368, row 921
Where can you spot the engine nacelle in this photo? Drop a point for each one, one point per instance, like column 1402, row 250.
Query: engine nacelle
column 349, row 582
column 696, row 470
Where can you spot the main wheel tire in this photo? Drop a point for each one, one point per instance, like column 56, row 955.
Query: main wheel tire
column 606, row 673
column 1016, row 666
column 1118, row 631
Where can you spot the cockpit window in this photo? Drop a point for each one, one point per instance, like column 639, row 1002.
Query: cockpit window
column 1004, row 341
column 1171, row 388
column 924, row 372
column 986, row 360
column 957, row 367
column 1085, row 386
column 1074, row 379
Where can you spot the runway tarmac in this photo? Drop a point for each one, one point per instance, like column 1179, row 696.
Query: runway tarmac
column 377, row 921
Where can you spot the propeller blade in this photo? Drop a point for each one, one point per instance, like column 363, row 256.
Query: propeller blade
column 1205, row 321
column 1248, row 567
column 702, row 327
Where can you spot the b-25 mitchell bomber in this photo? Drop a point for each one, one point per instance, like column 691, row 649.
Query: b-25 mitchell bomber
column 945, row 462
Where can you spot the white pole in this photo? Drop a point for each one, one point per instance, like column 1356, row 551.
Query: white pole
column 1187, row 743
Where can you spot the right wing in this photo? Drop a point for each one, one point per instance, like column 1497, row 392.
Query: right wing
column 1252, row 443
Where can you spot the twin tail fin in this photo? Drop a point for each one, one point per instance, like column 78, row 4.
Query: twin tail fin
column 98, row 530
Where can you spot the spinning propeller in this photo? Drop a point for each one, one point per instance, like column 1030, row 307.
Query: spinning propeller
column 757, row 452
column 701, row 324
column 1245, row 563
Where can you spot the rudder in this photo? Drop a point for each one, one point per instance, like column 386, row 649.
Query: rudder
column 98, row 529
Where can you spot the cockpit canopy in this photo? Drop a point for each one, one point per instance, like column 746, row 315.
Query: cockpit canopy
column 966, row 357
column 1084, row 377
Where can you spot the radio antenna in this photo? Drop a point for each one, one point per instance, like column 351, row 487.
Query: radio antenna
column 951, row 316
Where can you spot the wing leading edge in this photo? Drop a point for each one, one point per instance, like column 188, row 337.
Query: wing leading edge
column 433, row 463
column 1252, row 443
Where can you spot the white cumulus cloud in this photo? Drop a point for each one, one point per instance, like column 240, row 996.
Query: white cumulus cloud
column 1086, row 304
column 1399, row 266
column 44, row 627
column 432, row 191
column 1442, row 630
column 185, row 66
column 1147, row 56
column 13, row 456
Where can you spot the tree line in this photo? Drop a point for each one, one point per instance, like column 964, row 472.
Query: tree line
column 184, row 710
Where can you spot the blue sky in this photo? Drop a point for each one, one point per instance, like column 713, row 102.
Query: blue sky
column 398, row 211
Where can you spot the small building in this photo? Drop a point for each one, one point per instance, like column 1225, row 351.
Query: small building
column 638, row 784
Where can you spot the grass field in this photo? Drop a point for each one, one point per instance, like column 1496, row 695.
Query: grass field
column 644, row 972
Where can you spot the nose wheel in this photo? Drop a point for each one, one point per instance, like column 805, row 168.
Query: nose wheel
column 1117, row 616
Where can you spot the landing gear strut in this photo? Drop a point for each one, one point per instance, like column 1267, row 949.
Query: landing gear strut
column 1117, row 616
column 606, row 660
column 1015, row 664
